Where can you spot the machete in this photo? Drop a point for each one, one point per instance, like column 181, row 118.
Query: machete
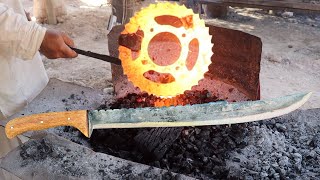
column 214, row 113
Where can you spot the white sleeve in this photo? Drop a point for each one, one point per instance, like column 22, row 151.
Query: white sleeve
column 19, row 37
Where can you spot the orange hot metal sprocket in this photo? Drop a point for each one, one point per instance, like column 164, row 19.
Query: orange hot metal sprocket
column 174, row 53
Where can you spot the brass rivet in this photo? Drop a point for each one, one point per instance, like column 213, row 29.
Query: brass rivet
column 11, row 127
column 41, row 122
column 69, row 119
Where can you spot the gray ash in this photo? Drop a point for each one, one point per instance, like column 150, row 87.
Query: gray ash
column 35, row 151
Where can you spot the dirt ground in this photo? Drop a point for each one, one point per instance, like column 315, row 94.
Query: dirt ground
column 290, row 58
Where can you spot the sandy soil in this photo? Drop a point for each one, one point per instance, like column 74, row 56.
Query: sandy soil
column 290, row 59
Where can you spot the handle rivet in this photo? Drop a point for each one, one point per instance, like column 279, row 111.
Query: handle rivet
column 69, row 119
column 41, row 122
column 11, row 127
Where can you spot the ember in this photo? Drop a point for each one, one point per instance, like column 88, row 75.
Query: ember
column 145, row 100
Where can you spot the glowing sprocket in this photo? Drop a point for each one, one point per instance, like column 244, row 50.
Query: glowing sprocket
column 173, row 53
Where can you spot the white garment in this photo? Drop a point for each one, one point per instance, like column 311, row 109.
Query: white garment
column 22, row 73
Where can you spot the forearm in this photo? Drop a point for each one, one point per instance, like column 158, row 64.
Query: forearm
column 19, row 37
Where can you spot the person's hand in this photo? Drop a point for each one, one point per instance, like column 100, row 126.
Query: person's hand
column 56, row 45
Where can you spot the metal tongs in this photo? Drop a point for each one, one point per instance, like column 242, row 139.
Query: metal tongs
column 102, row 57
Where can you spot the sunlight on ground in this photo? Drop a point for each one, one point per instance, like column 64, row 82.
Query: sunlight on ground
column 249, row 12
column 226, row 24
column 95, row 2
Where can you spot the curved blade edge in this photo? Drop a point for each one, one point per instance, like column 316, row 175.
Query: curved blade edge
column 216, row 113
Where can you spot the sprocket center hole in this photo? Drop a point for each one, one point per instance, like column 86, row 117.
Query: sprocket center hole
column 164, row 49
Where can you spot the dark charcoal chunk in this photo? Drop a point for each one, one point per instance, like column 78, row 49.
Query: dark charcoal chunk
column 315, row 141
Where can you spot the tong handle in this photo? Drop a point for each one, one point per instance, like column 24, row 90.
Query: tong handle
column 102, row 57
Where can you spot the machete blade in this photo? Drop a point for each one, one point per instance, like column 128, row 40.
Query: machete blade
column 215, row 113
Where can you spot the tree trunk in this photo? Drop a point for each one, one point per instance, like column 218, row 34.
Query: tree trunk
column 51, row 14
column 125, row 9
column 49, row 11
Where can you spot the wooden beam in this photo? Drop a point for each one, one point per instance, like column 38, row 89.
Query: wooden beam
column 285, row 4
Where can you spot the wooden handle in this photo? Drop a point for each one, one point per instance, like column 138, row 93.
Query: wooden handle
column 77, row 119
